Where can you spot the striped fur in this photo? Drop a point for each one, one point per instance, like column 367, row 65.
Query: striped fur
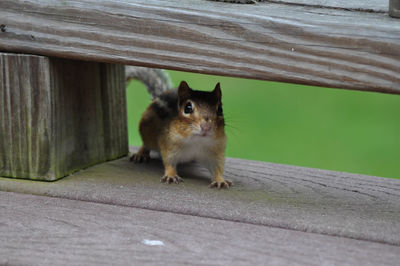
column 156, row 80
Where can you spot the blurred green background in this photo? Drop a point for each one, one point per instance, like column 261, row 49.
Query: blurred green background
column 333, row 129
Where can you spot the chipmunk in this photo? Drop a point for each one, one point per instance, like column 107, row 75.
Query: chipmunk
column 183, row 125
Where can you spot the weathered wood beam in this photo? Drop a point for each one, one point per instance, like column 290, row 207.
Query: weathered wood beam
column 305, row 44
column 58, row 116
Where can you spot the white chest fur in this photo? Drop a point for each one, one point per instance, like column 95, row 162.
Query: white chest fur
column 195, row 148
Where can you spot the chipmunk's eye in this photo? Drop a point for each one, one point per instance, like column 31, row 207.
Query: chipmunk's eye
column 219, row 110
column 188, row 108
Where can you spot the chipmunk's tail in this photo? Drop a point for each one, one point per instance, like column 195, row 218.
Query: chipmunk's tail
column 156, row 80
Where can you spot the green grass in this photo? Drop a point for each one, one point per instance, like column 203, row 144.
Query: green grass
column 332, row 129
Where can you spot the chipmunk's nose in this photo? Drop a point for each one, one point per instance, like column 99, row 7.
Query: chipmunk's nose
column 205, row 127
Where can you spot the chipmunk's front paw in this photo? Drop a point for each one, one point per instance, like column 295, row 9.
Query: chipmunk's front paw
column 140, row 157
column 171, row 179
column 221, row 184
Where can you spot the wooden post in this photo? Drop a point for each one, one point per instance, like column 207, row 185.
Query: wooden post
column 58, row 116
column 394, row 8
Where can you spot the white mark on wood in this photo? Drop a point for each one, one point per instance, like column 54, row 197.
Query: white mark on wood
column 153, row 242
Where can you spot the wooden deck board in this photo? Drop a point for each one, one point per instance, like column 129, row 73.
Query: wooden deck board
column 303, row 199
column 339, row 47
column 37, row 230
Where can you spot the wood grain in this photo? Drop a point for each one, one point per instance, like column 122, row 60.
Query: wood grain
column 269, row 41
column 39, row 230
column 58, row 116
column 89, row 109
column 288, row 197
column 25, row 117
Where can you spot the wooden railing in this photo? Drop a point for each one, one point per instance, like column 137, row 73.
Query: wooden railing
column 342, row 44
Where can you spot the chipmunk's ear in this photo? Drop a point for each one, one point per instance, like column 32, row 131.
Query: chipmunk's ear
column 217, row 92
column 184, row 91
